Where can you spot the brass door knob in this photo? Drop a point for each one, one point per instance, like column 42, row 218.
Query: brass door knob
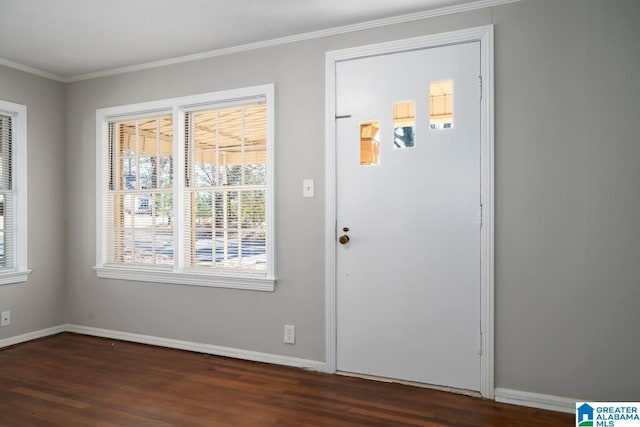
column 344, row 239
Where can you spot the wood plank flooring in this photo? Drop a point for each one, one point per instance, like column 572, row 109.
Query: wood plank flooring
column 73, row 380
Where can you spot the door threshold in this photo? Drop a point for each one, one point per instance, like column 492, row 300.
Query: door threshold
column 462, row 391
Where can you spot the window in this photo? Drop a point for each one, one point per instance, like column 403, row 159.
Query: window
column 369, row 142
column 13, row 193
column 404, row 124
column 185, row 190
column 441, row 105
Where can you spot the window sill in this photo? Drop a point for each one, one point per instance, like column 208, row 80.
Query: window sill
column 8, row 277
column 193, row 279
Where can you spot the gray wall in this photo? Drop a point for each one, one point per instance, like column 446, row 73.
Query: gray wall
column 39, row 303
column 567, row 191
column 241, row 319
column 567, row 174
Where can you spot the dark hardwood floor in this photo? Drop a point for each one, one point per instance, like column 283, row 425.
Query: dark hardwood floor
column 73, row 380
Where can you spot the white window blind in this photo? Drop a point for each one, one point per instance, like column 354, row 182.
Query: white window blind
column 7, row 214
column 13, row 193
column 226, row 183
column 186, row 189
column 140, row 198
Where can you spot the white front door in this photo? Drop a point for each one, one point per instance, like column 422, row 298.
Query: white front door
column 408, row 202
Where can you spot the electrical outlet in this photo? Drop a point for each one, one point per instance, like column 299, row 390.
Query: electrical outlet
column 289, row 334
column 5, row 318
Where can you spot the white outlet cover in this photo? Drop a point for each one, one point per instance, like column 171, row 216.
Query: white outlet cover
column 289, row 334
column 5, row 318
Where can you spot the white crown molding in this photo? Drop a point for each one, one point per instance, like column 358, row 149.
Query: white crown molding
column 31, row 70
column 448, row 10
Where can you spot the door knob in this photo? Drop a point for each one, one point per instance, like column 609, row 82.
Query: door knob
column 344, row 239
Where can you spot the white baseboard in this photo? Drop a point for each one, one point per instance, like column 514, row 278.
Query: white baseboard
column 200, row 347
column 32, row 336
column 535, row 400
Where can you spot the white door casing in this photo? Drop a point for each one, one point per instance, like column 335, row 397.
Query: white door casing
column 483, row 36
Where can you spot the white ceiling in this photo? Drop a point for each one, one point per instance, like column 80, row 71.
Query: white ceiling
column 72, row 38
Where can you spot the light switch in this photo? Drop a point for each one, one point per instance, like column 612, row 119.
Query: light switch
column 307, row 188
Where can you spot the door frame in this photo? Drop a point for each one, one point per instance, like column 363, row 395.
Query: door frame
column 484, row 35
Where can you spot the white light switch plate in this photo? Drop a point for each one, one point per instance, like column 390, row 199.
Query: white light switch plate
column 307, row 188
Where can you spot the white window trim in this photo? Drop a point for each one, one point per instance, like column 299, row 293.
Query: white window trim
column 176, row 274
column 19, row 272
